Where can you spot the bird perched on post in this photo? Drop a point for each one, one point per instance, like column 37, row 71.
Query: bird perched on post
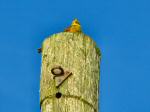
column 75, row 27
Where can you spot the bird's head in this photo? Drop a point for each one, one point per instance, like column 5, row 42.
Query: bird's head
column 75, row 22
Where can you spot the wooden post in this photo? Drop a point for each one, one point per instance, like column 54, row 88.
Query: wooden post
column 69, row 73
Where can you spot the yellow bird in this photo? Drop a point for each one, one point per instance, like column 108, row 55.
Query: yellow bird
column 75, row 27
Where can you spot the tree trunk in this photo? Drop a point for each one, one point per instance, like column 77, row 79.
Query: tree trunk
column 77, row 88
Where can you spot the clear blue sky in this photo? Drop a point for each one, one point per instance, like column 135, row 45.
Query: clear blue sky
column 121, row 29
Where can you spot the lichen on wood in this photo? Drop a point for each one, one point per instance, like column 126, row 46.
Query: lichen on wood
column 78, row 54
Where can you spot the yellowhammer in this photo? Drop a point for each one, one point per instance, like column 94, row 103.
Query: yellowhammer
column 75, row 27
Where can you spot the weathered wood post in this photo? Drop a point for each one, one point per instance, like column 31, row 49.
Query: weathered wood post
column 69, row 73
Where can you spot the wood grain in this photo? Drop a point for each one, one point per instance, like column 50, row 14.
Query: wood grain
column 76, row 53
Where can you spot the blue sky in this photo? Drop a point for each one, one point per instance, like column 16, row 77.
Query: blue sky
column 121, row 29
